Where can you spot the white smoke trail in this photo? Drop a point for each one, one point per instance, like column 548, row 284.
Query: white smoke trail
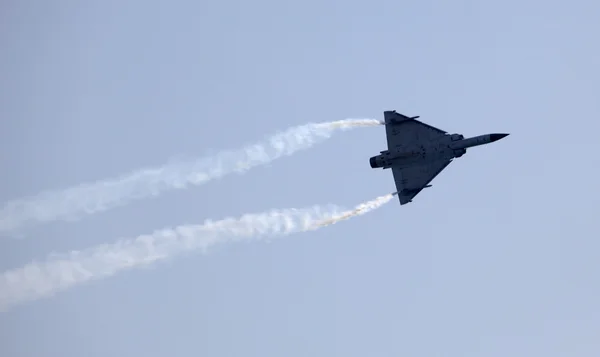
column 72, row 203
column 38, row 280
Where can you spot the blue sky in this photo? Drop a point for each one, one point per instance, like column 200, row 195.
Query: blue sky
column 498, row 258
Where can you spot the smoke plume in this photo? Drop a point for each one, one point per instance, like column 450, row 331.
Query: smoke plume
column 72, row 203
column 37, row 280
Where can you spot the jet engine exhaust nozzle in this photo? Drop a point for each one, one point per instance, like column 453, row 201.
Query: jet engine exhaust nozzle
column 373, row 162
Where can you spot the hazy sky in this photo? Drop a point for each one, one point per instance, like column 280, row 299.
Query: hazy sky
column 498, row 258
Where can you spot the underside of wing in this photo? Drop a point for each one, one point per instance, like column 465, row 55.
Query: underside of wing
column 406, row 131
column 410, row 181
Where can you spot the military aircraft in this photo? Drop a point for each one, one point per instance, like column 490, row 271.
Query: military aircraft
column 418, row 152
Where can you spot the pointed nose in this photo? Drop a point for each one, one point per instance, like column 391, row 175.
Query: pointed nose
column 496, row 137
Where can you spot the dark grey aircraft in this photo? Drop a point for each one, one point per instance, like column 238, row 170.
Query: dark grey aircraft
column 418, row 152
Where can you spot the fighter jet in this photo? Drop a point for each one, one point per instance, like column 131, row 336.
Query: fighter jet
column 418, row 152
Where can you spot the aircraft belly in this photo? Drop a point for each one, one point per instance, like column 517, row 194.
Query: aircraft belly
column 407, row 162
column 404, row 160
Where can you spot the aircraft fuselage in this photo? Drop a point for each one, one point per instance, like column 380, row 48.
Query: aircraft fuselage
column 445, row 147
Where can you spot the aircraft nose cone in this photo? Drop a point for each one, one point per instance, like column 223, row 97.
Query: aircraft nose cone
column 496, row 137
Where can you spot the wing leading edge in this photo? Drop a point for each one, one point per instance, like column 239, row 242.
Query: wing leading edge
column 410, row 181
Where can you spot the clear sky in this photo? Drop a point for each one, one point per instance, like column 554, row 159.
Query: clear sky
column 498, row 258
